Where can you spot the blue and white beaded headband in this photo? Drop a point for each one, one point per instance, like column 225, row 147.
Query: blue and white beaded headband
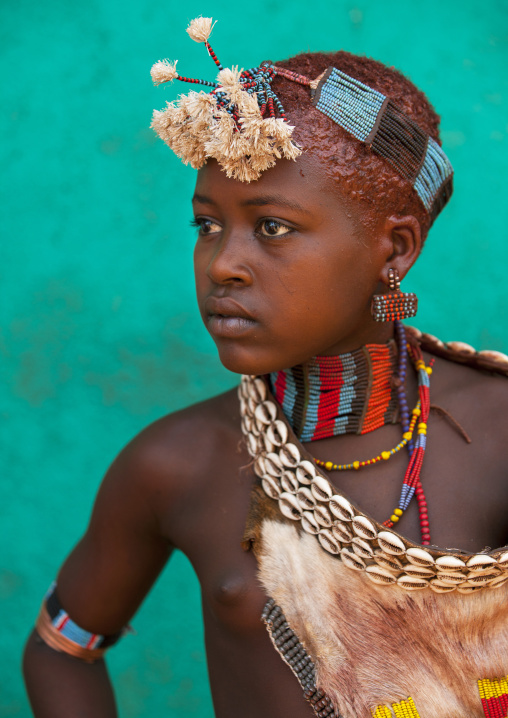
column 374, row 119
column 242, row 124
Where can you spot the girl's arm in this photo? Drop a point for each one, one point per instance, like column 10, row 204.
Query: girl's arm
column 60, row 686
column 103, row 582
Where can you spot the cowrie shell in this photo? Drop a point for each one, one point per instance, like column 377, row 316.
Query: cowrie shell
column 419, row 571
column 289, row 482
column 351, row 560
column 499, row 581
column 269, row 447
column 391, row 563
column 481, row 562
column 341, row 508
column 323, row 516
column 266, row 412
column 289, row 506
column 493, row 571
column 452, row 577
column 305, row 498
column 271, row 487
column 309, row 523
column 468, row 589
column 277, row 433
column 364, row 528
column 273, row 465
column 305, row 472
column 419, row 557
column 450, row 563
column 289, row 455
column 257, row 390
column 412, row 583
column 251, row 406
column 482, row 579
column 342, row 532
column 252, row 445
column 321, row 489
column 433, row 339
column 328, row 541
column 495, row 356
column 259, row 466
column 390, row 543
column 362, row 548
column 439, row 587
column 380, row 575
column 246, row 424
column 503, row 560
column 461, row 347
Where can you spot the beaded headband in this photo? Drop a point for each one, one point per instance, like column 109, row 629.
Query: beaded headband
column 242, row 124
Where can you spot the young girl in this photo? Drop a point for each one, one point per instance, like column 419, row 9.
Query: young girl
column 350, row 497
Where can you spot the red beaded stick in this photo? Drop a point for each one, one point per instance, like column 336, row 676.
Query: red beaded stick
column 213, row 55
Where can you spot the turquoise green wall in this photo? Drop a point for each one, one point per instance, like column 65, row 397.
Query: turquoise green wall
column 99, row 331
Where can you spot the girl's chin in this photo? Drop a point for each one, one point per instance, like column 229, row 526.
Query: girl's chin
column 244, row 361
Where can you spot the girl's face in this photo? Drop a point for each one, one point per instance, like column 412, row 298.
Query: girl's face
column 284, row 271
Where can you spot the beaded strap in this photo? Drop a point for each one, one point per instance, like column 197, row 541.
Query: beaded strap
column 295, row 655
column 61, row 633
column 374, row 119
column 462, row 353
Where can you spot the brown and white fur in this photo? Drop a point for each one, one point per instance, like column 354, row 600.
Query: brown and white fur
column 375, row 645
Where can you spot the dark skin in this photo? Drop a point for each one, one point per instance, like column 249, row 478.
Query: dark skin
column 284, row 271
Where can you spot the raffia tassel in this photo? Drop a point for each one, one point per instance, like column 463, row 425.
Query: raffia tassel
column 174, row 128
column 200, row 28
column 163, row 71
column 200, row 108
column 247, row 106
column 229, row 77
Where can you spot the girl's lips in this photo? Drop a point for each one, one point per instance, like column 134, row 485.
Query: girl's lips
column 220, row 325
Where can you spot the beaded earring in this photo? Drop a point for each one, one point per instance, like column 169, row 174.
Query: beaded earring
column 396, row 306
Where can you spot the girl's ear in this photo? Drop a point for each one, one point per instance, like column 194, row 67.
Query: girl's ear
column 403, row 241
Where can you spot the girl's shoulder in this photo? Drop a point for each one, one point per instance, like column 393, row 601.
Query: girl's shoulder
column 468, row 385
column 175, row 455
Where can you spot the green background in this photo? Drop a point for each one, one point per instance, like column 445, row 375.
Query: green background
column 100, row 334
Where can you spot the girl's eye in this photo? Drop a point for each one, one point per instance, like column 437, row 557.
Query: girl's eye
column 272, row 228
column 206, row 226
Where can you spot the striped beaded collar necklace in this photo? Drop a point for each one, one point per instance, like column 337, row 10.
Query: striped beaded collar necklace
column 350, row 393
column 356, row 393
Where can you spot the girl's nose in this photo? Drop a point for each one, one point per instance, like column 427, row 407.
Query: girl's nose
column 228, row 261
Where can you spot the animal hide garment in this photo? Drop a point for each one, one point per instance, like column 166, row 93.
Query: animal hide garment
column 375, row 645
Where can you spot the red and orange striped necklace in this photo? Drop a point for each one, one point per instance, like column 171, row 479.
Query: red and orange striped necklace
column 351, row 393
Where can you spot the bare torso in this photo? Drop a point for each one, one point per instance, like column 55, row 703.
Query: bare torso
column 467, row 496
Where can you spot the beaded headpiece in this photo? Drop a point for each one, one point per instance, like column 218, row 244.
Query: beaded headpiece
column 242, row 124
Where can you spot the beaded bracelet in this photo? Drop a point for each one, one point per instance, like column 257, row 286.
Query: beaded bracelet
column 62, row 634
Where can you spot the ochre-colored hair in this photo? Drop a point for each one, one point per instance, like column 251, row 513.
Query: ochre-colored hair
column 361, row 175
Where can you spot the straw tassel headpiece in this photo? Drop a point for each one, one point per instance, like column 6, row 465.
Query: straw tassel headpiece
column 240, row 123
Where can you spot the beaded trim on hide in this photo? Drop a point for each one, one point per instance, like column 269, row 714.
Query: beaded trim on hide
column 308, row 497
column 294, row 654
